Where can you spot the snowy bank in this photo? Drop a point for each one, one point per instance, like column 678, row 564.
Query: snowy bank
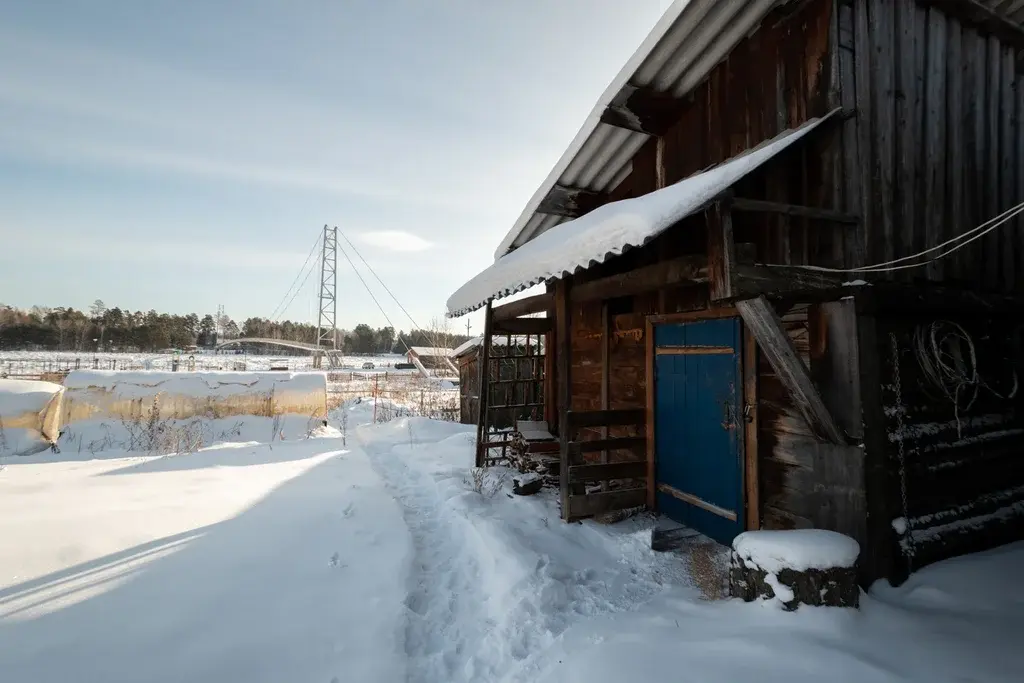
column 30, row 415
column 182, row 395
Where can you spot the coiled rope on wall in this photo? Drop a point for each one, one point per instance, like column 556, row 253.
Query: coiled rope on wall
column 948, row 360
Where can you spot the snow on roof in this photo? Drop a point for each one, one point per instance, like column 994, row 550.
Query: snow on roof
column 687, row 43
column 497, row 340
column 430, row 351
column 798, row 549
column 610, row 229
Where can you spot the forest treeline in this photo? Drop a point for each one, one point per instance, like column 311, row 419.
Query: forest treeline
column 114, row 329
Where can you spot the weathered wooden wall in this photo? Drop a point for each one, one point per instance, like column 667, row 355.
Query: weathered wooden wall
column 964, row 481
column 936, row 145
column 469, row 388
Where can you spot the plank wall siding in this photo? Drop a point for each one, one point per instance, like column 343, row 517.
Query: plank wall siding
column 964, row 480
column 936, row 145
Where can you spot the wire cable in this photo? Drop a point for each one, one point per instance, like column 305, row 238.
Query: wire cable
column 275, row 313
column 285, row 309
column 370, row 292
column 887, row 266
column 374, row 273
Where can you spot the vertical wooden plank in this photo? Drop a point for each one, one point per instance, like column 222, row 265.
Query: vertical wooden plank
column 659, row 163
column 605, row 375
column 935, row 139
column 777, row 185
column 918, row 56
column 750, row 427
column 975, row 48
column 833, row 252
column 990, row 203
column 550, row 402
column 1018, row 223
column 483, row 404
column 882, row 16
column 955, row 66
column 863, row 60
column 721, row 250
column 563, row 362
column 650, row 426
column 853, row 240
column 1007, row 195
column 907, row 80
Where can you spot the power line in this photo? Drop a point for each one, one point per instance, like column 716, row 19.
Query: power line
column 275, row 314
column 888, row 266
column 374, row 273
column 370, row 292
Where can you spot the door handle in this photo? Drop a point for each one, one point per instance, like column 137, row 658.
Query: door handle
column 747, row 417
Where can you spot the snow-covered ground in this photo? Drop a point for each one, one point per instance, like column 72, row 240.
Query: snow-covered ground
column 373, row 557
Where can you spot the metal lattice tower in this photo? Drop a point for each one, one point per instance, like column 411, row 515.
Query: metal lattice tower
column 327, row 322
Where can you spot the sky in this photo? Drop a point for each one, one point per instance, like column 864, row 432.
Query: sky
column 180, row 155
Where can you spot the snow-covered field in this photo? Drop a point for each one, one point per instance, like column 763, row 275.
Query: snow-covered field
column 371, row 557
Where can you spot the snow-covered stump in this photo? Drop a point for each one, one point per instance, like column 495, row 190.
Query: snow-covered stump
column 799, row 567
column 527, row 484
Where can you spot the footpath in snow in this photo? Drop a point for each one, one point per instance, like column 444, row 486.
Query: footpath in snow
column 378, row 558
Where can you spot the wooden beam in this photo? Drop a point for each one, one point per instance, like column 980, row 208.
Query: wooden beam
column 523, row 325
column 761, row 206
column 562, row 360
column 750, row 281
column 752, row 478
column 601, row 418
column 597, row 503
column 617, row 470
column 978, row 15
column 570, row 202
column 485, row 389
column 550, row 404
column 766, row 327
column 613, row 444
column 659, row 163
column 605, row 371
column 643, row 111
column 539, row 303
column 647, row 279
column 649, row 426
column 721, row 251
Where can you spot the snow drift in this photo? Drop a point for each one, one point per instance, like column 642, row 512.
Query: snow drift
column 30, row 414
column 183, row 395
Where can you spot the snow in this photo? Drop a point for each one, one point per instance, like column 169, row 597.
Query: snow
column 797, row 549
column 19, row 396
column 131, row 385
column 436, row 351
column 610, row 229
column 376, row 556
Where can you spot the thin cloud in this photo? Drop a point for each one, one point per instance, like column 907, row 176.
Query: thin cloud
column 393, row 240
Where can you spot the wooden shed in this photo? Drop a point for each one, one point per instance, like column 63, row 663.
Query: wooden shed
column 782, row 267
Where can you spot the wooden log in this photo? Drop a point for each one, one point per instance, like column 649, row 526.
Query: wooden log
column 763, row 322
column 527, row 486
column 523, row 326
column 539, row 303
column 646, row 279
column 761, row 206
column 613, row 444
column 570, row 202
column 832, row 587
column 600, row 418
column 721, row 251
column 606, row 471
column 598, row 503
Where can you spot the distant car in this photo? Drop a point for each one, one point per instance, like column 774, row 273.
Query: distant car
column 368, row 365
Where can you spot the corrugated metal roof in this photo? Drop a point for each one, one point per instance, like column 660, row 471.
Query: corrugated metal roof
column 611, row 229
column 1012, row 10
column 690, row 40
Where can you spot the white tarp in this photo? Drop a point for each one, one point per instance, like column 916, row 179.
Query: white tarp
column 98, row 394
column 29, row 415
column 608, row 230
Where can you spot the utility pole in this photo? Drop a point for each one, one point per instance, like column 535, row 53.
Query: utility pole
column 467, row 328
column 327, row 321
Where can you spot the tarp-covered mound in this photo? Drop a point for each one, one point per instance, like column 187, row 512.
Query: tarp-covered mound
column 30, row 414
column 182, row 395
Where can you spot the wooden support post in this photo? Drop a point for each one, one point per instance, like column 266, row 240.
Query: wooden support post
column 563, row 361
column 721, row 251
column 659, row 163
column 764, row 323
column 550, row 402
column 485, row 388
column 752, row 478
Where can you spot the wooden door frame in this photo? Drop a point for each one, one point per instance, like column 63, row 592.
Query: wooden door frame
column 748, row 375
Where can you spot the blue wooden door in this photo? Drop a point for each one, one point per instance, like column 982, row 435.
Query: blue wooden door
column 698, row 424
